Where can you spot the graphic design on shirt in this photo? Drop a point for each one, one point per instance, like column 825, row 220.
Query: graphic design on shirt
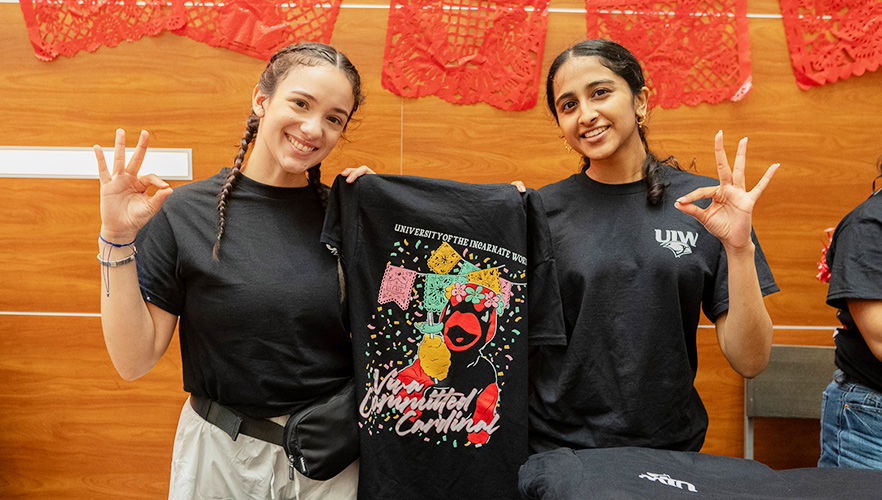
column 679, row 242
column 666, row 479
column 440, row 350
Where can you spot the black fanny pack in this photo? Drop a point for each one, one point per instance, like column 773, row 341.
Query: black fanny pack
column 320, row 440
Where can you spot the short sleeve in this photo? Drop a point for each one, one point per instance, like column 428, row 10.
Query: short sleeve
column 546, row 324
column 856, row 271
column 157, row 261
column 720, row 301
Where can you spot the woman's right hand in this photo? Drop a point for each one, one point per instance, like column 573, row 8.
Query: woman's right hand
column 125, row 203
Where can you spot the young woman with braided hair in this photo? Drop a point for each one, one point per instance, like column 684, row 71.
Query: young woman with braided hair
column 641, row 249
column 236, row 259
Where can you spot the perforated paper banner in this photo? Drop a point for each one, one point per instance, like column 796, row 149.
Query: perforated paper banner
column 505, row 291
column 487, row 277
column 65, row 27
column 259, row 27
column 254, row 27
column 443, row 259
column 831, row 40
column 691, row 51
column 396, row 286
column 435, row 290
column 466, row 51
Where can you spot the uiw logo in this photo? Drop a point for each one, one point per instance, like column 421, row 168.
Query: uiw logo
column 679, row 242
column 666, row 479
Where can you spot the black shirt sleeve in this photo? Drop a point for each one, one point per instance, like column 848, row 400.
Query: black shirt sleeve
column 546, row 312
column 855, row 261
column 160, row 282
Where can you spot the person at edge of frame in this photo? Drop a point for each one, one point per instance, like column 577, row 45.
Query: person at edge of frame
column 851, row 412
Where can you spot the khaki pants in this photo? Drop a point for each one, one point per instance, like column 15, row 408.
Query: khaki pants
column 208, row 465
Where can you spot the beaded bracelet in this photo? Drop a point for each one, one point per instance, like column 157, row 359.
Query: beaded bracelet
column 120, row 262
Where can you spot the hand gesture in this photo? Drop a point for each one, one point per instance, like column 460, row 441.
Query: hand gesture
column 729, row 215
column 352, row 174
column 125, row 204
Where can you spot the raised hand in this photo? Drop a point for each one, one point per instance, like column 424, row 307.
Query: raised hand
column 729, row 215
column 125, row 204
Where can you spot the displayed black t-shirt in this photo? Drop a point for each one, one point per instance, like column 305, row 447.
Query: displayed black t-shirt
column 644, row 473
column 260, row 329
column 446, row 284
column 855, row 262
column 634, row 280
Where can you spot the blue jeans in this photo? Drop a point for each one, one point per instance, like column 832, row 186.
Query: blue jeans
column 851, row 425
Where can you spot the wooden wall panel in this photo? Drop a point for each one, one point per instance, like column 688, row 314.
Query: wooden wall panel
column 74, row 429
column 71, row 427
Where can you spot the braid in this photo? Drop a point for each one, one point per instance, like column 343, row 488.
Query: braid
column 231, row 180
column 314, row 180
column 653, row 172
column 653, row 178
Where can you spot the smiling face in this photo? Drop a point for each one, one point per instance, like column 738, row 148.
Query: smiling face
column 300, row 123
column 597, row 113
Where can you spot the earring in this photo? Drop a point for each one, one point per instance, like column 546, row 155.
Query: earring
column 641, row 120
column 567, row 146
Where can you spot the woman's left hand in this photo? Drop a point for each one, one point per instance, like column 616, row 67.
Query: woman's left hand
column 729, row 215
column 354, row 173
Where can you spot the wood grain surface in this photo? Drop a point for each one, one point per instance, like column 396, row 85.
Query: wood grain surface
column 73, row 429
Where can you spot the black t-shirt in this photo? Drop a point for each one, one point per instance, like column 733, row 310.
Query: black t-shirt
column 855, row 262
column 260, row 329
column 446, row 283
column 643, row 473
column 634, row 280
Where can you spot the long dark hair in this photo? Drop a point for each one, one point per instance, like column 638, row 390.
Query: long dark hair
column 622, row 62
column 298, row 54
